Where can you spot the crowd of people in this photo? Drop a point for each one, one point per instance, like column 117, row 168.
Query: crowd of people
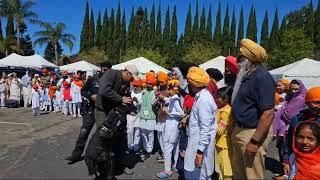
column 199, row 130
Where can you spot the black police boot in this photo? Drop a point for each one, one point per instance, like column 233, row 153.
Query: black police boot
column 74, row 158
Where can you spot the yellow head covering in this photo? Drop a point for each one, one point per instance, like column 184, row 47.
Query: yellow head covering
column 198, row 77
column 253, row 51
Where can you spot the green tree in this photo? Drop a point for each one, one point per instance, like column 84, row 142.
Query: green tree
column 274, row 41
column 317, row 31
column 283, row 27
column 265, row 32
column 49, row 52
column 98, row 37
column 217, row 38
column 188, row 27
column 195, row 28
column 158, row 36
column 202, row 30
column 233, row 28
column 309, row 26
column 200, row 52
column 123, row 34
column 145, row 30
column 104, row 31
column 174, row 26
column 131, row 33
column 240, row 28
column 117, row 25
column 152, row 27
column 110, row 44
column 20, row 11
column 1, row 35
column 10, row 27
column 54, row 34
column 252, row 26
column 26, row 46
column 296, row 19
column 147, row 53
column 226, row 35
column 166, row 30
column 84, row 37
column 209, row 26
column 91, row 31
column 290, row 50
column 7, row 45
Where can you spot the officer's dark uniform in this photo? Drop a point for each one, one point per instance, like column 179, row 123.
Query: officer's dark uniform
column 88, row 107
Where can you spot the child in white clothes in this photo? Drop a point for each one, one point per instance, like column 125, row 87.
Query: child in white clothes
column 76, row 87
column 133, row 119
column 35, row 100
column 58, row 101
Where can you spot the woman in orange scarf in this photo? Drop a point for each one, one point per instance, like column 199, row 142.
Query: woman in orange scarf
column 305, row 161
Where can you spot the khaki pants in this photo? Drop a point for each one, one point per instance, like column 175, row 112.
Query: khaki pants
column 246, row 166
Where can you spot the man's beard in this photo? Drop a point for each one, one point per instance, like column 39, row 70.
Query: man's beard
column 243, row 71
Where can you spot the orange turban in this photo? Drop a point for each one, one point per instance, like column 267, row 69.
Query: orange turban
column 313, row 94
column 163, row 78
column 285, row 82
column 198, row 77
column 151, row 78
column 137, row 83
column 253, row 51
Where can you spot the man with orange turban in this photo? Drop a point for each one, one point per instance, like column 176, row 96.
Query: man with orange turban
column 163, row 78
column 199, row 156
column 253, row 111
column 312, row 100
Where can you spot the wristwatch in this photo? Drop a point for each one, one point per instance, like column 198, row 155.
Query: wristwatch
column 199, row 152
column 255, row 142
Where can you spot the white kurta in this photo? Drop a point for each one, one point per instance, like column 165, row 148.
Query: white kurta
column 15, row 89
column 202, row 132
column 35, row 99
column 75, row 93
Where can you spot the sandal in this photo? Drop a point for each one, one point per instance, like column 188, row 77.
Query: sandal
column 163, row 175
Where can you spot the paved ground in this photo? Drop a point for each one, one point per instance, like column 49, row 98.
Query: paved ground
column 34, row 148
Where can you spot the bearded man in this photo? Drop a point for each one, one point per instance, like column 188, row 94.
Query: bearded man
column 252, row 111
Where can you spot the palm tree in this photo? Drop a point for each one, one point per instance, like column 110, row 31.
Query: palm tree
column 20, row 11
column 53, row 33
column 6, row 45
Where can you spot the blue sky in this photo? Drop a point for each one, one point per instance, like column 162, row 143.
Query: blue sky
column 71, row 12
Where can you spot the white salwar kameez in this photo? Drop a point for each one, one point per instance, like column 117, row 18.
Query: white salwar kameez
column 76, row 99
column 133, row 124
column 35, row 102
column 202, row 132
column 26, row 89
column 171, row 131
column 15, row 89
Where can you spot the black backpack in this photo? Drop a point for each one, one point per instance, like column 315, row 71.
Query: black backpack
column 10, row 103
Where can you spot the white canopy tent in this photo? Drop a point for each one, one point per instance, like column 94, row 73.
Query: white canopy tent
column 306, row 70
column 217, row 63
column 80, row 65
column 144, row 65
column 34, row 61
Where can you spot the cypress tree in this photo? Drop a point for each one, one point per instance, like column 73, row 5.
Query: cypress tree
column 104, row 31
column 26, row 46
column 309, row 26
column 225, row 35
column 317, row 31
column 110, row 43
column 274, row 41
column 209, row 26
column 131, row 34
column 166, row 29
column 123, row 34
column 240, row 28
column 265, row 32
column 158, row 37
column 195, row 28
column 217, row 31
column 145, row 30
column 174, row 26
column 152, row 26
column 116, row 36
column 1, row 36
column 202, row 30
column 283, row 26
column 252, row 26
column 92, row 31
column 233, row 34
column 84, row 37
column 98, row 37
column 49, row 52
column 117, row 24
column 10, row 27
column 188, row 27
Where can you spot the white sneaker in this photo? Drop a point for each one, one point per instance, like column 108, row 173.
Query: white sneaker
column 79, row 115
column 74, row 115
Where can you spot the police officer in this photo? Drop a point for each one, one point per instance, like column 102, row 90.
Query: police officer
column 89, row 92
